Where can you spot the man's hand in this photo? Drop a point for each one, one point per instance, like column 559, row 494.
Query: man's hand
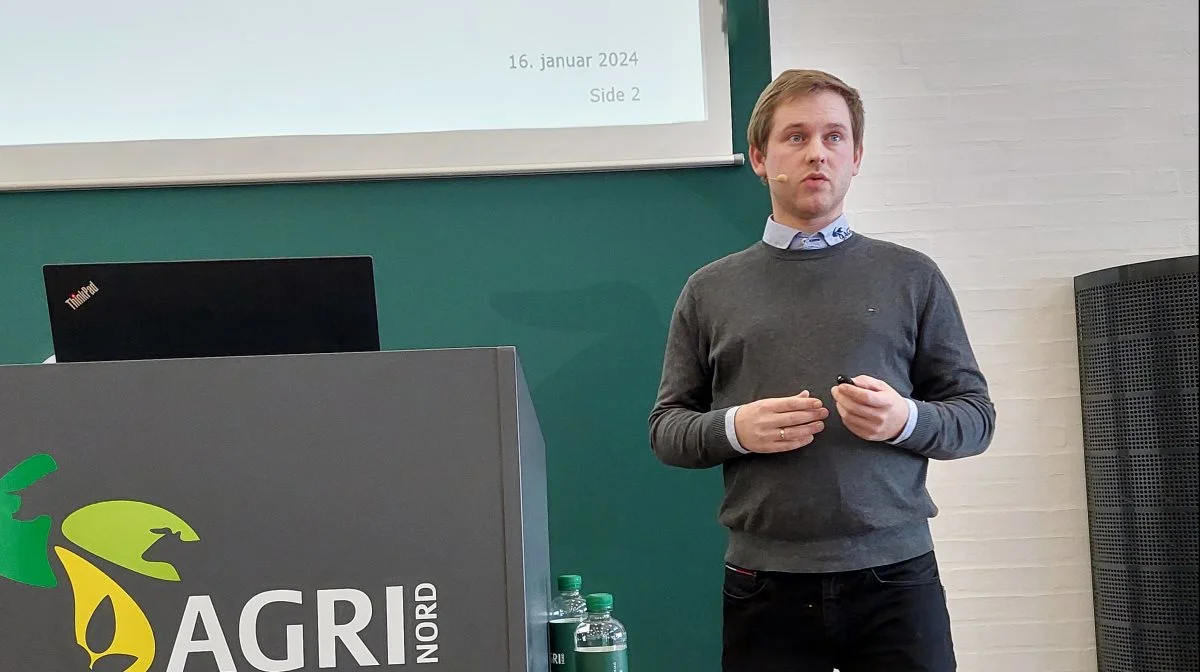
column 872, row 410
column 780, row 424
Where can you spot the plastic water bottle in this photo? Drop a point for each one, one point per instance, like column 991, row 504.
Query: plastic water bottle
column 567, row 611
column 601, row 642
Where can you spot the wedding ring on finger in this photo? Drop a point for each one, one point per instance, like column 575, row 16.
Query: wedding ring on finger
column 781, row 434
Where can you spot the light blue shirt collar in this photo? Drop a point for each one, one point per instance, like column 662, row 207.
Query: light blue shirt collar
column 787, row 238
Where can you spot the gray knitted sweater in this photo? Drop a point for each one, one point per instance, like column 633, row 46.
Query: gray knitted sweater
column 766, row 322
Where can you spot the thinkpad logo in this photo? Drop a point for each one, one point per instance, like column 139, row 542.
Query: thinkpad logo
column 81, row 297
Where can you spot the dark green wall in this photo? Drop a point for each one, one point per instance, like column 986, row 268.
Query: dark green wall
column 580, row 272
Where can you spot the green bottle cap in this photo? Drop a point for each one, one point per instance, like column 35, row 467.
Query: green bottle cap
column 570, row 582
column 598, row 603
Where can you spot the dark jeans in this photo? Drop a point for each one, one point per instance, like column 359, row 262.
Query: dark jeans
column 885, row 619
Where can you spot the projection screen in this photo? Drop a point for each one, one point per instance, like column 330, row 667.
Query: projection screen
column 141, row 92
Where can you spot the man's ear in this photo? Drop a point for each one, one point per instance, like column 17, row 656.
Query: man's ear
column 858, row 152
column 758, row 162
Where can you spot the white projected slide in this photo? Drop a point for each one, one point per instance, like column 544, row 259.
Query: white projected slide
column 76, row 71
column 151, row 92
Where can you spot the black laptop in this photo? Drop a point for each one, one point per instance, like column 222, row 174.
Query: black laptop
column 175, row 309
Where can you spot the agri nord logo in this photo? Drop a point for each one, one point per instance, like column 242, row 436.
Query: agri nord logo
column 120, row 532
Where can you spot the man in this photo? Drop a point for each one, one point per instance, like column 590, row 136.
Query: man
column 830, row 560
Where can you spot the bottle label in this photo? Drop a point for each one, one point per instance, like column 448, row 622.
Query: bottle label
column 562, row 644
column 602, row 659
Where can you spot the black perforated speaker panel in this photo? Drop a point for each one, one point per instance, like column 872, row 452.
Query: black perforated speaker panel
column 1139, row 370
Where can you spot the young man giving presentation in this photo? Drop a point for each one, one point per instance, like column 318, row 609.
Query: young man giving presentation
column 822, row 369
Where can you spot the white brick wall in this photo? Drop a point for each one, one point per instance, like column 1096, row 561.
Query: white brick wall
column 1019, row 144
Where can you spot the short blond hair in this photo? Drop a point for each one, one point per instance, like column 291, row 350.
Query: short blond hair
column 791, row 84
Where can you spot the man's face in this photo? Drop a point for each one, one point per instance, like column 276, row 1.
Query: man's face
column 811, row 142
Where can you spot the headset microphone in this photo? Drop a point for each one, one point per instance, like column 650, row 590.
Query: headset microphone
column 781, row 178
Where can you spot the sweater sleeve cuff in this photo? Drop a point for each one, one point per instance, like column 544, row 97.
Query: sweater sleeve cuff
column 909, row 425
column 716, row 447
column 731, row 430
column 925, row 429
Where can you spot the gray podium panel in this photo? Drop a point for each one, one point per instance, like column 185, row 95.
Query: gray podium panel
column 339, row 512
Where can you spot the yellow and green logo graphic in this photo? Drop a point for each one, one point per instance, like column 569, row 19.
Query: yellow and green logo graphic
column 119, row 532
